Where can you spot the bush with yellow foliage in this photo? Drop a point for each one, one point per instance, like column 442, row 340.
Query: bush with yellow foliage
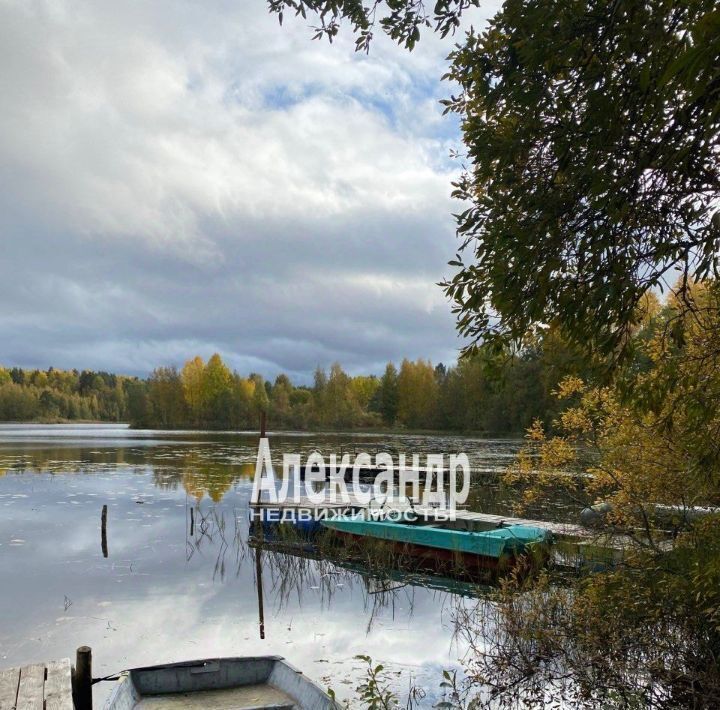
column 647, row 632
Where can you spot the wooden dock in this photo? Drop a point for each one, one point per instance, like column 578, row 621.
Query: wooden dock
column 471, row 518
column 41, row 686
column 564, row 530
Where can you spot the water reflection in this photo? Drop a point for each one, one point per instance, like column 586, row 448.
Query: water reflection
column 211, row 468
column 180, row 580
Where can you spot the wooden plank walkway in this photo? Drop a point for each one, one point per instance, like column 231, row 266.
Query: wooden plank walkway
column 559, row 529
column 41, row 686
column 484, row 520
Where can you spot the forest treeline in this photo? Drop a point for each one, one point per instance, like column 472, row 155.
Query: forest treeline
column 58, row 395
column 500, row 395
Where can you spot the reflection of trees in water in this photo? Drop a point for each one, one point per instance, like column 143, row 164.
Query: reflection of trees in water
column 23, row 457
column 201, row 476
column 196, row 469
column 212, row 468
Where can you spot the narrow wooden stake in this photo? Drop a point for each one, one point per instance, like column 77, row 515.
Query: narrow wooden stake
column 82, row 679
column 192, row 522
column 103, row 531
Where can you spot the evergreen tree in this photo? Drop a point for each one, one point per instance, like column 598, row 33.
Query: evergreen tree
column 388, row 395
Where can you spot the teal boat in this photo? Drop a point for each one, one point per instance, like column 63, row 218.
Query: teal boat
column 440, row 545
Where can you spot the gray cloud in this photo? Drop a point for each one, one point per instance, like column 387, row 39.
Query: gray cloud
column 184, row 177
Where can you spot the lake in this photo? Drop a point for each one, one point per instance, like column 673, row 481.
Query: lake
column 167, row 593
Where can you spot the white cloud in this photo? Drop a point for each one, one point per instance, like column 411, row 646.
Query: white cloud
column 192, row 173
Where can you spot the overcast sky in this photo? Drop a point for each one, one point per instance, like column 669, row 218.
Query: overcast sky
column 180, row 178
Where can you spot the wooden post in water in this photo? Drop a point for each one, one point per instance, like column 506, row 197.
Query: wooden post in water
column 192, row 521
column 82, row 679
column 103, row 531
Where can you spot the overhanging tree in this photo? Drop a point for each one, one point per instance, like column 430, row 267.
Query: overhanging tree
column 591, row 130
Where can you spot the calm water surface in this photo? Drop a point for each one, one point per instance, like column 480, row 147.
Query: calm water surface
column 166, row 593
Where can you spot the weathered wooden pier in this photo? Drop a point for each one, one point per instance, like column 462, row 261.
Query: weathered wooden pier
column 40, row 686
column 51, row 685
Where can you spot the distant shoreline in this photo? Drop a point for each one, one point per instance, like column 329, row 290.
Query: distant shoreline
column 329, row 432
column 20, row 422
